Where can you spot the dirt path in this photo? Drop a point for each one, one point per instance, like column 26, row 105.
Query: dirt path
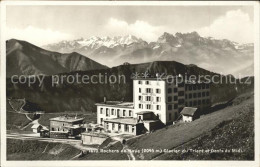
column 129, row 153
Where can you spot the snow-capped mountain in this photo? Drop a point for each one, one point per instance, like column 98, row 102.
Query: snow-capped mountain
column 95, row 42
column 188, row 48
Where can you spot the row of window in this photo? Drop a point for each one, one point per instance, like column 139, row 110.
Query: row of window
column 150, row 90
column 197, row 87
column 149, row 98
column 126, row 127
column 149, row 106
column 146, row 82
column 170, row 90
column 116, row 112
column 170, row 106
column 197, row 102
column 195, row 95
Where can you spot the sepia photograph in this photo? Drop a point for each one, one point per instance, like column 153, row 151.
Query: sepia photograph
column 101, row 82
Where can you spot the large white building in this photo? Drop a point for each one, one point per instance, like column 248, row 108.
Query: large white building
column 155, row 102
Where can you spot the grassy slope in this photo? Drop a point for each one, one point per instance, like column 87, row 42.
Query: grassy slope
column 181, row 133
column 34, row 150
column 235, row 134
column 15, row 120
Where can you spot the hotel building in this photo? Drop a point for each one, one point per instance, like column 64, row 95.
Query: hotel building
column 155, row 103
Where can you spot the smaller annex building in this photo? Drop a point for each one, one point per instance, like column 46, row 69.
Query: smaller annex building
column 66, row 126
column 91, row 138
column 189, row 114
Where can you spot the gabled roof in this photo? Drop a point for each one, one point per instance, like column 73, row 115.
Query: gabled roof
column 66, row 119
column 189, row 111
column 35, row 126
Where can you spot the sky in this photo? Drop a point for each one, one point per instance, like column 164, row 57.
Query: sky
column 43, row 25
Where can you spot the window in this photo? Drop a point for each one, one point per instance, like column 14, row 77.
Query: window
column 181, row 101
column 194, row 87
column 140, row 97
column 101, row 120
column 181, row 84
column 158, row 107
column 124, row 112
column 148, row 98
column 190, row 95
column 113, row 126
column 158, row 99
column 207, row 93
column 107, row 112
column 175, row 90
column 208, row 101
column 175, row 98
column 169, row 90
column 199, row 102
column 139, row 82
column 194, row 95
column 101, row 110
column 170, row 116
column 169, row 107
column 130, row 113
column 186, row 87
column 126, row 128
column 190, row 87
column 133, row 128
column 190, row 103
column 148, row 106
column 199, row 87
column 169, row 98
column 118, row 111
column 181, row 93
column 140, row 91
column 199, row 94
column 147, row 82
column 148, row 90
column 158, row 90
column 203, row 101
column 119, row 127
column 195, row 103
column 112, row 111
column 203, row 94
column 140, row 106
column 175, row 106
column 107, row 126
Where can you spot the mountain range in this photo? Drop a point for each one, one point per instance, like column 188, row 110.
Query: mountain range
column 222, row 56
column 23, row 58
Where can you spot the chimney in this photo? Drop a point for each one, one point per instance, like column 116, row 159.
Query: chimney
column 105, row 99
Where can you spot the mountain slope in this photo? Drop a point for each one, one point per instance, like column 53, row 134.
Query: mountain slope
column 82, row 97
column 23, row 58
column 188, row 48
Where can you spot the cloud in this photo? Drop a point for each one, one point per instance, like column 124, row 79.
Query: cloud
column 139, row 28
column 235, row 25
column 37, row 36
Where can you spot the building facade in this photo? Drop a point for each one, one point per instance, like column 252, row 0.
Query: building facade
column 65, row 126
column 153, row 99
